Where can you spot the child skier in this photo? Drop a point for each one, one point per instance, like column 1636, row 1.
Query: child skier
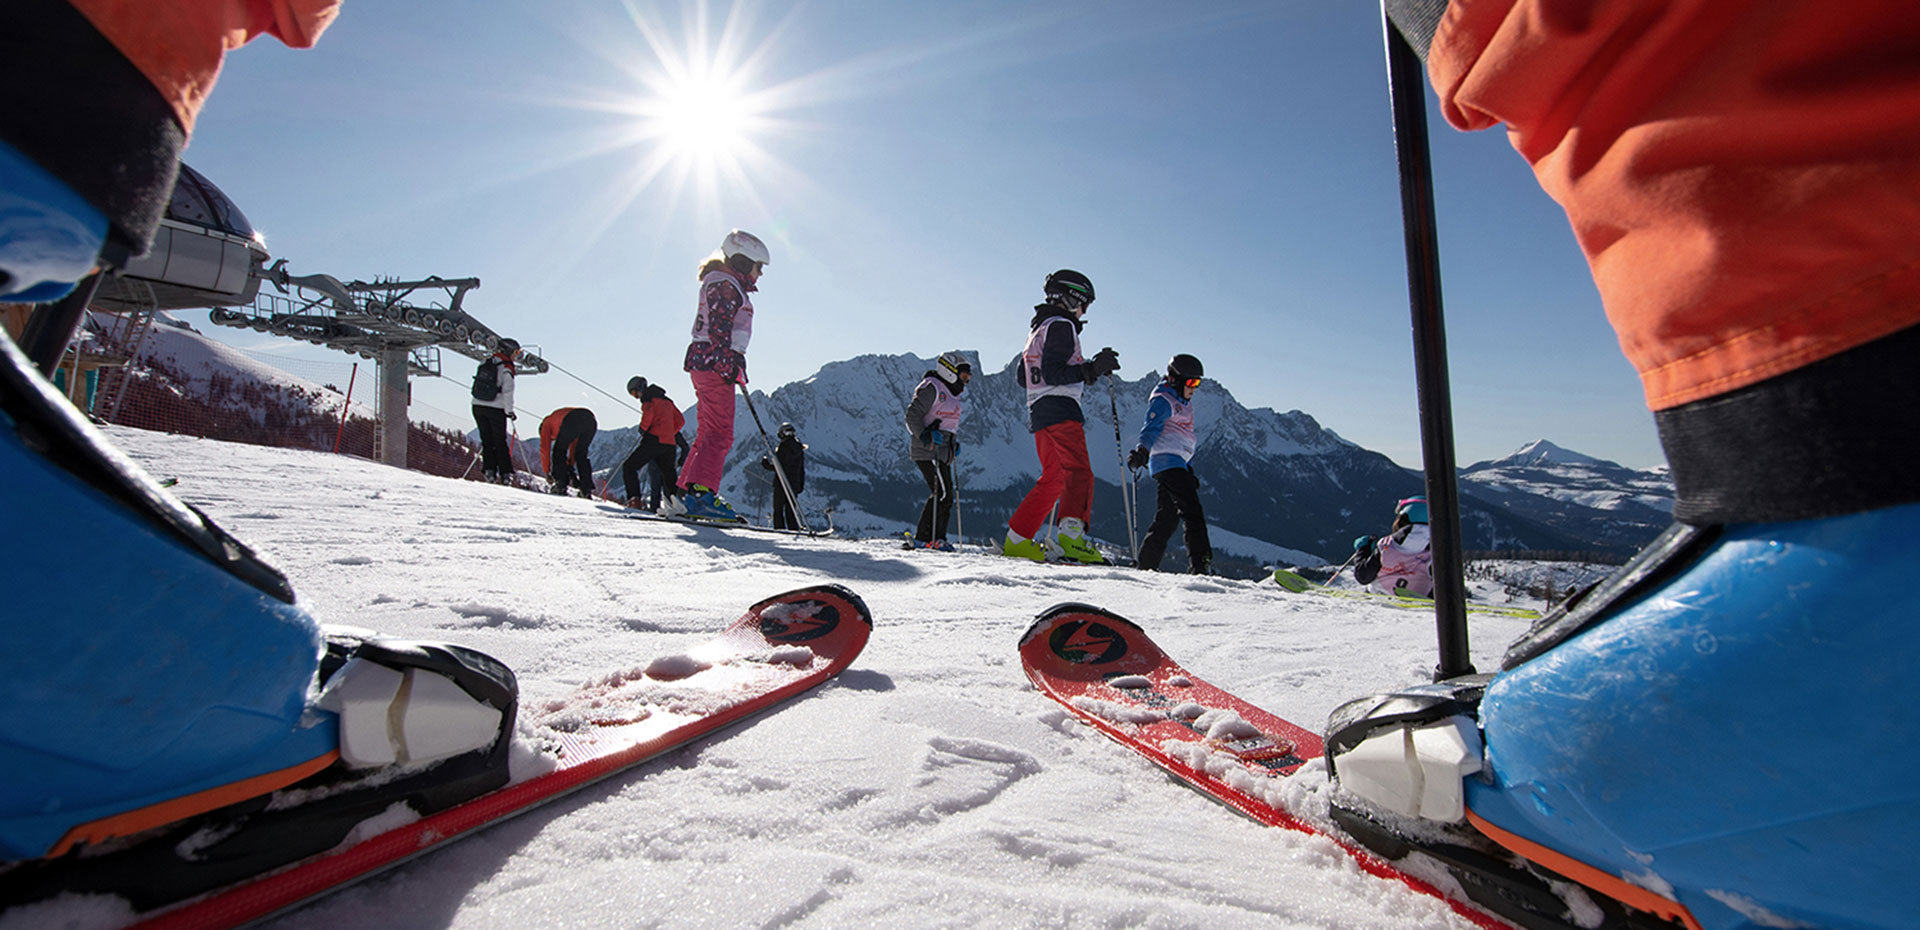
column 659, row 420
column 716, row 360
column 1402, row 562
column 933, row 427
column 792, row 454
column 565, row 437
column 1166, row 450
column 492, row 408
column 1707, row 737
column 1053, row 372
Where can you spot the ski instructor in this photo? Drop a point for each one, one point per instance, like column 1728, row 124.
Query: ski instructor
column 717, row 360
column 1054, row 373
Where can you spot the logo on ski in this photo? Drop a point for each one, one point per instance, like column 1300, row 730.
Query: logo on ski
column 798, row 621
column 1084, row 642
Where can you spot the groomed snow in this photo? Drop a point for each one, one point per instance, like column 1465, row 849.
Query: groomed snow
column 928, row 786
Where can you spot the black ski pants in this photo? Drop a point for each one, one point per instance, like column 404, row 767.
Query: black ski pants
column 495, row 462
column 654, row 454
column 783, row 516
column 1179, row 502
column 939, row 506
column 568, row 456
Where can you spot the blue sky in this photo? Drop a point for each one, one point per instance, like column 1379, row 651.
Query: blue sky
column 1224, row 172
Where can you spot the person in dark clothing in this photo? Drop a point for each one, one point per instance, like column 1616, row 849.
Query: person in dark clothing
column 792, row 454
column 494, row 379
column 659, row 419
column 933, row 425
column 1166, row 449
column 565, row 436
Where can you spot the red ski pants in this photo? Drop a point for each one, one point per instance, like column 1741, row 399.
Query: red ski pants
column 1065, row 477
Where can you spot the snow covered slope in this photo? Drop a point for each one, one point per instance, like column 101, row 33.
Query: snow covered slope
column 927, row 786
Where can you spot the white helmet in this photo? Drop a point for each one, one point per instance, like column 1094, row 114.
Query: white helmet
column 949, row 366
column 741, row 242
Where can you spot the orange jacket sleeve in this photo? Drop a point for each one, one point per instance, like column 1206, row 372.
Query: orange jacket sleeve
column 179, row 44
column 1744, row 177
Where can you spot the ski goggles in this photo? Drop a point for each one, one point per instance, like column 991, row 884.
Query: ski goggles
column 1192, row 382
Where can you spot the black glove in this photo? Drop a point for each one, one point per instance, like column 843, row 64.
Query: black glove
column 510, row 415
column 1138, row 457
column 1104, row 362
column 766, row 463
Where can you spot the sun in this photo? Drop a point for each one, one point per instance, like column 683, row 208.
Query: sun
column 702, row 117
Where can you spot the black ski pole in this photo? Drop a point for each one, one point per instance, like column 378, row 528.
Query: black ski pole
column 778, row 471
column 1406, row 89
column 1126, row 489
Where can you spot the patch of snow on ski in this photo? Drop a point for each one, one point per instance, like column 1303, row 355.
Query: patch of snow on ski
column 927, row 785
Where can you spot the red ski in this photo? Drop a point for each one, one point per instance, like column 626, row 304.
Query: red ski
column 780, row 648
column 1106, row 670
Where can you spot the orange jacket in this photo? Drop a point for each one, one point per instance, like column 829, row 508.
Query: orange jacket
column 549, row 431
column 661, row 418
column 178, row 44
column 1744, row 177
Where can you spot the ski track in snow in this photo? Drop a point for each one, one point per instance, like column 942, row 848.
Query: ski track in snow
column 928, row 786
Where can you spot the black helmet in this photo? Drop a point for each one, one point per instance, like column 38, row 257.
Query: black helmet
column 786, row 429
column 636, row 385
column 1069, row 283
column 509, row 346
column 1183, row 366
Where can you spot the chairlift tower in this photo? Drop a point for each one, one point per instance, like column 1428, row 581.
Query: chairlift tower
column 207, row 254
column 377, row 320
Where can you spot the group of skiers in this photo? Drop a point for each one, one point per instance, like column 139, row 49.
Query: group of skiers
column 684, row 476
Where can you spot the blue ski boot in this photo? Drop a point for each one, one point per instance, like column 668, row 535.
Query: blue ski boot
column 703, row 504
column 1712, row 737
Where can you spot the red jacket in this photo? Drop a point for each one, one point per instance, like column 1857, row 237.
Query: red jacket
column 660, row 418
column 1745, row 212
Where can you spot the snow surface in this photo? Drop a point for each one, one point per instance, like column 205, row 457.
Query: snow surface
column 929, row 785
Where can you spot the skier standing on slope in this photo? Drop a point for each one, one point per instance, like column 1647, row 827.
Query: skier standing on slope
column 1744, row 179
column 1054, row 373
column 716, row 360
column 492, row 408
column 1166, row 450
column 792, row 454
column 565, row 436
column 659, row 420
column 933, row 442
column 1402, row 561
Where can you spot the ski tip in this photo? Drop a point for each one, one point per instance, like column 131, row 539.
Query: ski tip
column 828, row 592
column 1052, row 615
column 1290, row 581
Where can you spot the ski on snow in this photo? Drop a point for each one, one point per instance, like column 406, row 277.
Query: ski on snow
column 778, row 649
column 1111, row 675
column 633, row 514
column 1292, row 581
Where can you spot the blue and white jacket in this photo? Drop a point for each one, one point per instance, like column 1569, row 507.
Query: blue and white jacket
column 1168, row 434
